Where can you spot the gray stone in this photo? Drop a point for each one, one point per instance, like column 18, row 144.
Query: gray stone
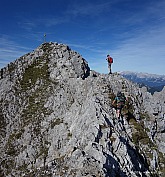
column 57, row 120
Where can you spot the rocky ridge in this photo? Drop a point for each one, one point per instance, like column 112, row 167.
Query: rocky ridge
column 56, row 119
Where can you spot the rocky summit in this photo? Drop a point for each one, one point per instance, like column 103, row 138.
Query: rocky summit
column 57, row 120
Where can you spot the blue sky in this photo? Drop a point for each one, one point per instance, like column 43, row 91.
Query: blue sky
column 132, row 32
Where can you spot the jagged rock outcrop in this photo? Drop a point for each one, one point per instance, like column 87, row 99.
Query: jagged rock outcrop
column 57, row 120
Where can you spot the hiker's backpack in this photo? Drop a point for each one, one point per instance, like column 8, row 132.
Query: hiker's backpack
column 110, row 59
column 121, row 99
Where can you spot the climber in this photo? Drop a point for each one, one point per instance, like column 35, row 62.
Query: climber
column 118, row 103
column 110, row 61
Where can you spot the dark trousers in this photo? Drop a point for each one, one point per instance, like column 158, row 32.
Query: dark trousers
column 109, row 66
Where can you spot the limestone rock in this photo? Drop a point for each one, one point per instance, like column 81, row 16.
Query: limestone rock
column 57, row 120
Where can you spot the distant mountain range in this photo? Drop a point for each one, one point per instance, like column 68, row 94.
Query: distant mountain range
column 153, row 82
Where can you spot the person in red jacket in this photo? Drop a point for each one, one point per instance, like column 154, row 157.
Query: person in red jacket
column 110, row 61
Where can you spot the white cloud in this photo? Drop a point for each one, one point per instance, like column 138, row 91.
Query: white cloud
column 143, row 52
column 51, row 21
column 88, row 8
column 9, row 50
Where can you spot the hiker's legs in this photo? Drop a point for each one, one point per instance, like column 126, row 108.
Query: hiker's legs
column 109, row 65
column 118, row 113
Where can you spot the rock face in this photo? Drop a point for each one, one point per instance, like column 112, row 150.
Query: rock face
column 56, row 119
